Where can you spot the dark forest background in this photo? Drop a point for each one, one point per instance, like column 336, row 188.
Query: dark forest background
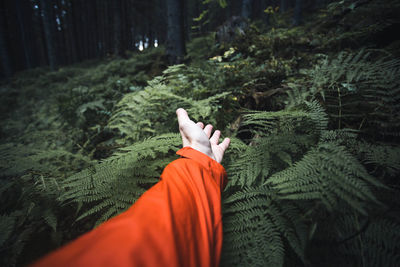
column 56, row 33
column 307, row 90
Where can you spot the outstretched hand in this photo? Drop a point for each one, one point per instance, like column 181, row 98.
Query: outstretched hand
column 199, row 137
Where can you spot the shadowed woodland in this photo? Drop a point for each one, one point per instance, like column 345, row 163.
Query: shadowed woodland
column 307, row 90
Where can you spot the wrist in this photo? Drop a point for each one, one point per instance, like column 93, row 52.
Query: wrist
column 205, row 149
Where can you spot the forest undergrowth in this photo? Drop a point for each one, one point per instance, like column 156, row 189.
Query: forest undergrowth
column 312, row 111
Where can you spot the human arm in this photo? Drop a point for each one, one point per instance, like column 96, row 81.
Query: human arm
column 175, row 223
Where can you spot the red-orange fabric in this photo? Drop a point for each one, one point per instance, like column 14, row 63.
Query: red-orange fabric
column 177, row 222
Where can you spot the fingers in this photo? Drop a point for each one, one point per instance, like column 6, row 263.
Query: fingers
column 182, row 116
column 200, row 124
column 225, row 144
column 208, row 130
column 190, row 132
column 215, row 137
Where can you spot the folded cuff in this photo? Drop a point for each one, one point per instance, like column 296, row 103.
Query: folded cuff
column 205, row 161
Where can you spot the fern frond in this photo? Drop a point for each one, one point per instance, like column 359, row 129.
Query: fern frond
column 309, row 117
column 361, row 90
column 274, row 122
column 330, row 174
column 256, row 229
column 7, row 225
column 385, row 157
column 114, row 185
column 264, row 157
column 157, row 103
column 18, row 159
column 376, row 241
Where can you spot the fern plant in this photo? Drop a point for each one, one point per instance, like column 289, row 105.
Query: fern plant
column 293, row 169
column 377, row 244
column 152, row 110
column 357, row 240
column 301, row 170
column 29, row 210
column 257, row 229
column 114, row 185
column 361, row 91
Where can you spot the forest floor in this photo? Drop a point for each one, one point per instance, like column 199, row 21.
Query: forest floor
column 57, row 123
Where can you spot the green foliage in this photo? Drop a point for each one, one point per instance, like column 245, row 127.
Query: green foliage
column 378, row 245
column 88, row 97
column 115, row 184
column 293, row 170
column 157, row 103
column 222, row 3
column 40, row 149
column 265, row 156
column 256, row 229
column 359, row 81
column 29, row 208
column 152, row 111
column 313, row 174
column 328, row 174
column 385, row 158
column 359, row 240
column 18, row 159
column 279, row 42
column 342, row 27
column 200, row 48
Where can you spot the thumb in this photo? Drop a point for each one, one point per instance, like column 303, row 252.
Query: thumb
column 183, row 117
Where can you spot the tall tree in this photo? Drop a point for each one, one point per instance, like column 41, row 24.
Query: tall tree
column 60, row 41
column 37, row 35
column 284, row 6
column 22, row 29
column 116, row 5
column 246, row 8
column 320, row 3
column 92, row 31
column 69, row 34
column 175, row 32
column 48, row 24
column 297, row 12
column 84, row 25
column 5, row 60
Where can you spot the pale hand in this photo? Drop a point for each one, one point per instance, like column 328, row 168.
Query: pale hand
column 199, row 137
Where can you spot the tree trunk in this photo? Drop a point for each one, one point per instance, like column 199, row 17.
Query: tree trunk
column 69, row 35
column 24, row 39
column 264, row 16
column 62, row 57
column 78, row 29
column 130, row 26
column 284, row 6
column 175, row 32
column 246, row 8
column 235, row 8
column 320, row 3
column 297, row 12
column 38, row 37
column 116, row 4
column 102, row 24
column 186, row 19
column 124, row 25
column 49, row 35
column 5, row 60
column 108, row 30
column 162, row 27
column 92, row 23
column 85, row 29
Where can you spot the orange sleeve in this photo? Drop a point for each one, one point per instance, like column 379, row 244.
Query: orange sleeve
column 177, row 222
